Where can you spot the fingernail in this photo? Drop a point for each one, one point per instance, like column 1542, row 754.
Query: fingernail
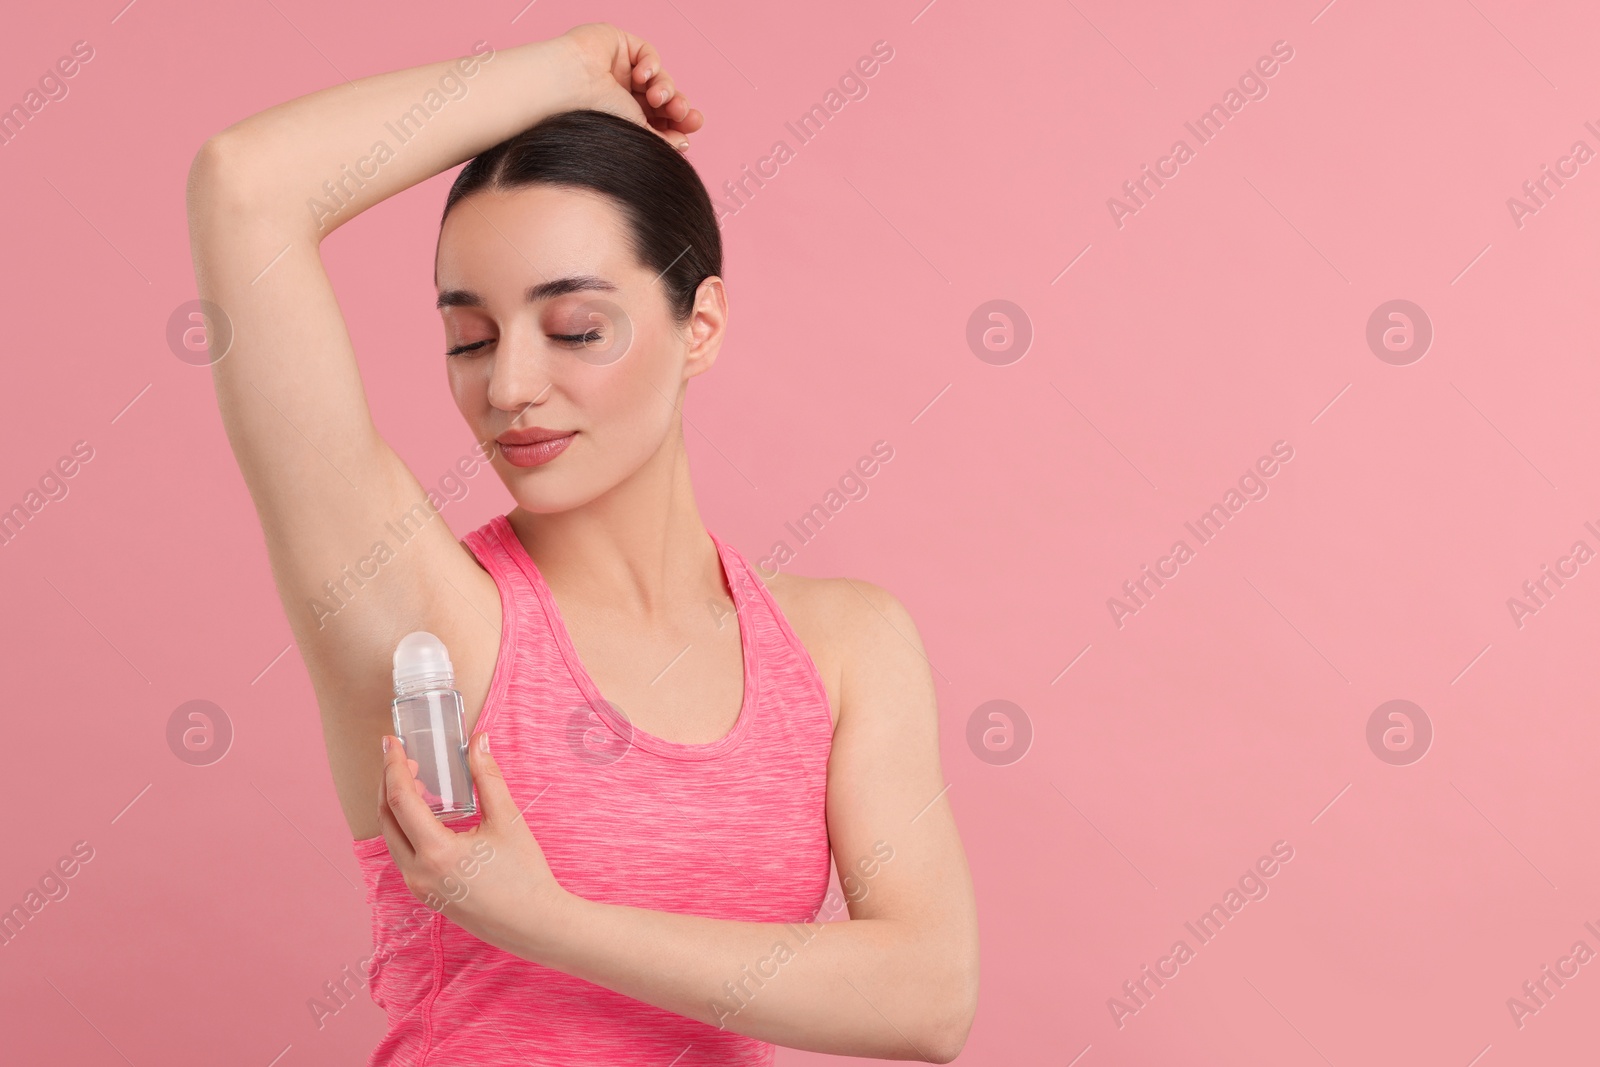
column 483, row 742
column 386, row 742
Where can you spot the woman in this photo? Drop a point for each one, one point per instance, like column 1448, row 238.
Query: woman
column 637, row 886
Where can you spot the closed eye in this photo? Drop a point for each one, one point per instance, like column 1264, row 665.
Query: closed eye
column 585, row 339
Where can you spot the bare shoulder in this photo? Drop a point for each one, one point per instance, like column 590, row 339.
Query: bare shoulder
column 843, row 623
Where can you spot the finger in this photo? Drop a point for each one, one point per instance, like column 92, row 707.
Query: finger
column 665, row 129
column 646, row 61
column 420, row 825
column 399, row 845
column 413, row 766
column 676, row 109
column 652, row 88
column 660, row 89
column 672, row 137
column 678, row 116
column 494, row 797
column 662, row 99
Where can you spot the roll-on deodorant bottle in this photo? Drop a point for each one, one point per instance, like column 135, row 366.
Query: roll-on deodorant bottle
column 427, row 718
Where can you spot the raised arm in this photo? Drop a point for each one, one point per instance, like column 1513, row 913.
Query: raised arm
column 262, row 195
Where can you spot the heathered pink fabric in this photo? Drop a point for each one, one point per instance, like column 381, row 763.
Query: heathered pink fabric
column 733, row 829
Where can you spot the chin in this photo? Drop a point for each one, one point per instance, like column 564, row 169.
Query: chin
column 543, row 501
column 547, row 497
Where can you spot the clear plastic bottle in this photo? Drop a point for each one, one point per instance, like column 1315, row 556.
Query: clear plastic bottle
column 427, row 719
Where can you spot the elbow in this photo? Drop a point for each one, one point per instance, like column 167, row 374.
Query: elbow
column 950, row 1037
column 958, row 1002
column 207, row 168
column 216, row 184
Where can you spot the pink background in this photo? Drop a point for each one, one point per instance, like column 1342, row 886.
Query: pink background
column 1226, row 314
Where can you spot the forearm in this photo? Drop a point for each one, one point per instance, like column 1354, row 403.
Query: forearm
column 321, row 159
column 861, row 987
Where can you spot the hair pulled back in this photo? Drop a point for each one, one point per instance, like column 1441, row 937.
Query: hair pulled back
column 670, row 221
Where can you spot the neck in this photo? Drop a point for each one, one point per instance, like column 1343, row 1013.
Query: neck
column 639, row 547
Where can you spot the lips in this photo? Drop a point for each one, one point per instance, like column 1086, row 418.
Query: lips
column 532, row 435
column 534, row 446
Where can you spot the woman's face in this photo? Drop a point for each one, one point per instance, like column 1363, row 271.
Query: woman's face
column 594, row 353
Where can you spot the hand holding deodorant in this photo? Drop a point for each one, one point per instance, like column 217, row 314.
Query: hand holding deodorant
column 427, row 719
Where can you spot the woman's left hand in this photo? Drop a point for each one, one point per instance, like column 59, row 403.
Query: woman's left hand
column 492, row 879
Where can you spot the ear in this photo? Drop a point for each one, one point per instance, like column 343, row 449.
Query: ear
column 707, row 324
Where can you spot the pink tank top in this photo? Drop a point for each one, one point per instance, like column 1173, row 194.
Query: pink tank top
column 732, row 829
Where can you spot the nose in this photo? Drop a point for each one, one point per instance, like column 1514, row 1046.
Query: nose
column 520, row 375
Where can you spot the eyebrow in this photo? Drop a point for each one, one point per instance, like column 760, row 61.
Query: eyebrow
column 543, row 291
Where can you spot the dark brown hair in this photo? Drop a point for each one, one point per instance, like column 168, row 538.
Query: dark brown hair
column 670, row 221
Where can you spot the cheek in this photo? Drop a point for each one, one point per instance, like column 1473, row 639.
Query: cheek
column 636, row 394
column 458, row 390
column 619, row 402
column 630, row 416
column 469, row 384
